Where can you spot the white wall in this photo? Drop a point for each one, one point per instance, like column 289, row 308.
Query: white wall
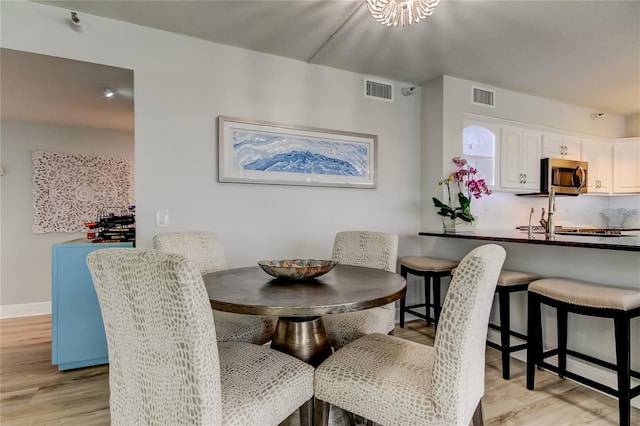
column 523, row 108
column 26, row 257
column 434, row 147
column 182, row 85
column 632, row 126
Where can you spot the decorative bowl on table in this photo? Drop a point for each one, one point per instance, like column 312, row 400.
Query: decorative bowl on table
column 296, row 269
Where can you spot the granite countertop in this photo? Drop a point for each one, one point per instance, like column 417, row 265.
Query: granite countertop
column 628, row 242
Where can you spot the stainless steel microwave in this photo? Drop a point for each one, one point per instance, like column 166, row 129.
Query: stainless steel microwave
column 567, row 177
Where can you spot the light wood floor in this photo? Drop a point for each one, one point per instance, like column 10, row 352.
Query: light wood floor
column 33, row 392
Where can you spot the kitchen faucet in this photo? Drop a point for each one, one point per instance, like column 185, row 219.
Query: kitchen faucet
column 530, row 233
column 548, row 223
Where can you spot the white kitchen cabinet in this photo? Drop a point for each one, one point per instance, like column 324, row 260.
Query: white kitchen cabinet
column 558, row 146
column 599, row 156
column 520, row 159
column 626, row 166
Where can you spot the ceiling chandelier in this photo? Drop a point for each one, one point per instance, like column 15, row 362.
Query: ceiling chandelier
column 400, row 12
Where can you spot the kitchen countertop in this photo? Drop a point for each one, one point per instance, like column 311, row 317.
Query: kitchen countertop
column 628, row 242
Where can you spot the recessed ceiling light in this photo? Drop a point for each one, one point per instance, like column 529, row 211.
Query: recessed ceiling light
column 108, row 93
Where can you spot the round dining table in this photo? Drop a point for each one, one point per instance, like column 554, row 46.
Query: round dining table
column 299, row 304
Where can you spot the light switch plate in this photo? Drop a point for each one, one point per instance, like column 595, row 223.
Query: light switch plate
column 162, row 218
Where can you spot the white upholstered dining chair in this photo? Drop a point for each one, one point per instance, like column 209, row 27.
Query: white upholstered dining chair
column 377, row 250
column 205, row 249
column 392, row 381
column 165, row 365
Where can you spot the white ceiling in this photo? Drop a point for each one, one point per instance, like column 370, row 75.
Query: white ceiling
column 580, row 52
column 53, row 90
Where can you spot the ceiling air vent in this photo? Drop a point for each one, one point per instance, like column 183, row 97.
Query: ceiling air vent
column 380, row 90
column 483, row 97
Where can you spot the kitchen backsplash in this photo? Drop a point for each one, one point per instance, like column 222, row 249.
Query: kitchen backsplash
column 506, row 210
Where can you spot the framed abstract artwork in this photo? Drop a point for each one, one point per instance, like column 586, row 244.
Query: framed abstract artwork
column 253, row 151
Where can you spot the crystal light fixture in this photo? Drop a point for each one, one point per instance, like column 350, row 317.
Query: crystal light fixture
column 400, row 12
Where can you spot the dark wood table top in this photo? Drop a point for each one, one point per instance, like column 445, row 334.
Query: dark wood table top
column 346, row 288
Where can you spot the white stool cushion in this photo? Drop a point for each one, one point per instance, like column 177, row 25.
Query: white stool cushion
column 508, row 278
column 423, row 263
column 586, row 294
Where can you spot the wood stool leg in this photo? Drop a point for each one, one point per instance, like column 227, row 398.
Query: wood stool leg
column 623, row 362
column 505, row 328
column 403, row 299
column 534, row 348
column 437, row 301
column 562, row 340
column 428, row 283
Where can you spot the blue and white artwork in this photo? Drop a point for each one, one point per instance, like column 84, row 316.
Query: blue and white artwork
column 276, row 152
column 253, row 151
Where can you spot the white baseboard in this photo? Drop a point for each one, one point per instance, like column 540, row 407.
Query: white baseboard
column 577, row 366
column 25, row 310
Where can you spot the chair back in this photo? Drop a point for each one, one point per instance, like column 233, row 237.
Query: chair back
column 460, row 343
column 163, row 357
column 366, row 248
column 202, row 248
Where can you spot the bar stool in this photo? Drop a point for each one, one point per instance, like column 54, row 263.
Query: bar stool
column 509, row 282
column 432, row 270
column 583, row 298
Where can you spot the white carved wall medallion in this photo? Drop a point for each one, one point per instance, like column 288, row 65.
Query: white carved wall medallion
column 69, row 189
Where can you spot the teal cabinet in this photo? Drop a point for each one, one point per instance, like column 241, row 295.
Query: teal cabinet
column 77, row 332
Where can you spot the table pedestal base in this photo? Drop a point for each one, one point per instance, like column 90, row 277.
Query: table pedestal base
column 302, row 337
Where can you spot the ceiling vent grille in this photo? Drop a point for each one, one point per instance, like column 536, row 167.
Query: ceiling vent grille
column 380, row 90
column 483, row 97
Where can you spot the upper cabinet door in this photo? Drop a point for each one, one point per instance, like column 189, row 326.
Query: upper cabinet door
column 558, row 146
column 626, row 170
column 531, row 159
column 511, row 175
column 598, row 155
column 519, row 159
